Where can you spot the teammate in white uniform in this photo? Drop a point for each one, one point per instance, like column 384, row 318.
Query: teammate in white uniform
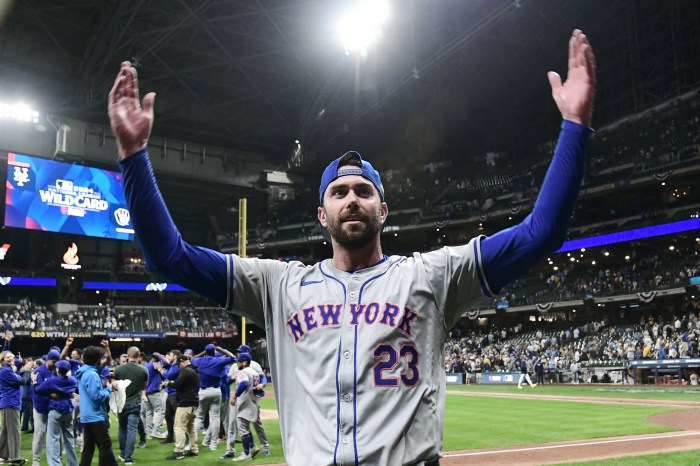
column 355, row 342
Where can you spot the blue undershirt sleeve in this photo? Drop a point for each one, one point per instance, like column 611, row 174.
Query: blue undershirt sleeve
column 241, row 388
column 198, row 269
column 510, row 252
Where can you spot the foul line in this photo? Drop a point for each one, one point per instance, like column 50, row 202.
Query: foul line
column 601, row 442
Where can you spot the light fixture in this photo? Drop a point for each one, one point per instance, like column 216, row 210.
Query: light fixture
column 671, row 248
column 361, row 27
column 606, row 253
column 592, row 262
column 19, row 112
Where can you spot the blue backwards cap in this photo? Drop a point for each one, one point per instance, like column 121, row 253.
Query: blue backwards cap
column 332, row 173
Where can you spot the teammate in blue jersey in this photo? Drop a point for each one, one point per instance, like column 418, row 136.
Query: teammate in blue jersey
column 210, row 369
column 355, row 341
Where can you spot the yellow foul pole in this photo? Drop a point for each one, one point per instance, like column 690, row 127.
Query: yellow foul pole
column 242, row 234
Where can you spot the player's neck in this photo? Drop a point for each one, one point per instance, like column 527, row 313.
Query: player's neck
column 356, row 259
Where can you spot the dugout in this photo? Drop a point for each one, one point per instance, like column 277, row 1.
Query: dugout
column 664, row 371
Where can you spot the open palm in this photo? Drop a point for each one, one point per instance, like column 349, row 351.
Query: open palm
column 575, row 97
column 131, row 123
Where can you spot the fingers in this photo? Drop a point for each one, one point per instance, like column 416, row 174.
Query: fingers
column 148, row 102
column 590, row 62
column 554, row 81
column 119, row 83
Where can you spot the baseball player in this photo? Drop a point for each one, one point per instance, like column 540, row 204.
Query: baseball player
column 355, row 341
column 246, row 403
column 259, row 391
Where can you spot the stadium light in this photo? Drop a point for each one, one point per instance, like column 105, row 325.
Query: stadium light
column 19, row 112
column 361, row 27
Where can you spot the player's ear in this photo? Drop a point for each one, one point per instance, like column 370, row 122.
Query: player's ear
column 384, row 212
column 322, row 219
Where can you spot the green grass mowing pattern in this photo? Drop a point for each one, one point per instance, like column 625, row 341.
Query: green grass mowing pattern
column 482, row 422
column 470, row 422
column 676, row 458
column 642, row 392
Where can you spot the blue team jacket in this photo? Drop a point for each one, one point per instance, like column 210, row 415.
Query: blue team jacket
column 62, row 386
column 10, row 381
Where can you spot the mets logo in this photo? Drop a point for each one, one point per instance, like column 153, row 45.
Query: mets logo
column 156, row 286
column 122, row 216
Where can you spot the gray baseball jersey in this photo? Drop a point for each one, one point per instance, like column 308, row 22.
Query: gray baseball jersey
column 247, row 403
column 356, row 357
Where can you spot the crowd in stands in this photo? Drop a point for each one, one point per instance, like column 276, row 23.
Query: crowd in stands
column 27, row 315
column 556, row 346
column 648, row 145
column 636, row 272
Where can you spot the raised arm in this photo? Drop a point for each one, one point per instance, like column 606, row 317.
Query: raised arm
column 510, row 252
column 66, row 347
column 199, row 269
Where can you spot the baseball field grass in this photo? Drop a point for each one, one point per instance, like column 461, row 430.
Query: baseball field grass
column 679, row 458
column 473, row 421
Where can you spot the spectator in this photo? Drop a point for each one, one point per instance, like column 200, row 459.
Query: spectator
column 10, row 405
column 131, row 413
column 187, row 388
column 93, row 411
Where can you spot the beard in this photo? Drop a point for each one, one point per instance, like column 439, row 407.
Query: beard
column 358, row 235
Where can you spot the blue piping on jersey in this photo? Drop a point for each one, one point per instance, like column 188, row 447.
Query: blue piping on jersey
column 354, row 386
column 229, row 291
column 480, row 268
column 337, row 369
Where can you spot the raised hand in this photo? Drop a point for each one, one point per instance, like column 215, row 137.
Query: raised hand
column 131, row 123
column 575, row 96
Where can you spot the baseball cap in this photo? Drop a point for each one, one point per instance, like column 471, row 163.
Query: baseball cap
column 243, row 357
column 242, row 349
column 189, row 351
column 53, row 354
column 333, row 172
column 183, row 357
column 210, row 347
column 63, row 365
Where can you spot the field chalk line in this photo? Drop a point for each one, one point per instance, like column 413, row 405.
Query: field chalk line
column 569, row 445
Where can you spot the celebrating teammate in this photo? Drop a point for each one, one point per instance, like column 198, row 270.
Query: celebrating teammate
column 355, row 341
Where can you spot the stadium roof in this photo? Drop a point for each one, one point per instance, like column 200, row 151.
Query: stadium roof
column 449, row 77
